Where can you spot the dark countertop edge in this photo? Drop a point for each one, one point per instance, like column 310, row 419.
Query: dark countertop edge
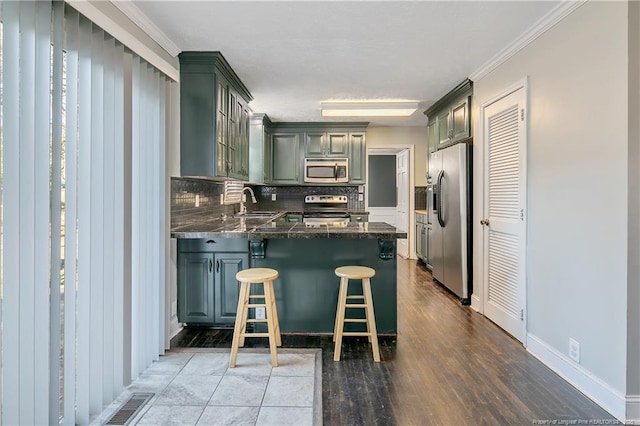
column 257, row 235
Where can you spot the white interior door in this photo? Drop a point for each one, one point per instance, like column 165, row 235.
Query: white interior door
column 402, row 209
column 504, row 219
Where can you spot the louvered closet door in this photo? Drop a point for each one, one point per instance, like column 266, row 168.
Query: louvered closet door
column 504, row 218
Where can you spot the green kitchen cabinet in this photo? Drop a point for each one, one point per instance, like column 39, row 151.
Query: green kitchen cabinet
column 195, row 288
column 450, row 118
column 284, row 158
column 214, row 117
column 357, row 158
column 207, row 287
column 259, row 171
column 321, row 144
column 227, row 265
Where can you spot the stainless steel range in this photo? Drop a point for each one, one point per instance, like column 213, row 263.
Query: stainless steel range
column 325, row 210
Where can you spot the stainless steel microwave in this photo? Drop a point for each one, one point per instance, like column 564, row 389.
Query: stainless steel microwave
column 326, row 170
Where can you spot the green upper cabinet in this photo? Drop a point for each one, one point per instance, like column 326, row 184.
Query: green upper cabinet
column 259, row 150
column 432, row 135
column 321, row 144
column 290, row 143
column 284, row 158
column 357, row 158
column 450, row 118
column 214, row 117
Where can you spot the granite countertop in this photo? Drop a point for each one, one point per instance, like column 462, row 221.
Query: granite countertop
column 209, row 226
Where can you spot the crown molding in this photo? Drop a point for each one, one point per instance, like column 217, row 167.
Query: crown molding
column 140, row 19
column 544, row 24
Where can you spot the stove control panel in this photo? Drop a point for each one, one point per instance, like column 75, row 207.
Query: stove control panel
column 337, row 199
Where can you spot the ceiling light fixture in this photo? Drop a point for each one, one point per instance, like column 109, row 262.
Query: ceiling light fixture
column 368, row 108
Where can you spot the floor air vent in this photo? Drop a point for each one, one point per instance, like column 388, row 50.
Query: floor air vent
column 129, row 409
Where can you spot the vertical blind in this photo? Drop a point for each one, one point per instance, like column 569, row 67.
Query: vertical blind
column 83, row 229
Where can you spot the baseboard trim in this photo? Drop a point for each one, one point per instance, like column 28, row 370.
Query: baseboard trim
column 586, row 382
column 633, row 410
column 476, row 303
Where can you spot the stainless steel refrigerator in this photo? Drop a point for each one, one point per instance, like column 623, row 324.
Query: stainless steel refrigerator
column 450, row 242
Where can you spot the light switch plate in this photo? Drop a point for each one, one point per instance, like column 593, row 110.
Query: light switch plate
column 273, row 197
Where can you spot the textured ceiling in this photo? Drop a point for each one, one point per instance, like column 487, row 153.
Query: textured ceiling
column 292, row 55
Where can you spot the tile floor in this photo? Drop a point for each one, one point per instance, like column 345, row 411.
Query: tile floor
column 196, row 387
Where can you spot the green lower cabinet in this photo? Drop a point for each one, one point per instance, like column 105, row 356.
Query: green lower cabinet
column 226, row 286
column 195, row 288
column 207, row 286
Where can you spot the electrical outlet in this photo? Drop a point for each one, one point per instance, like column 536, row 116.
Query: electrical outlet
column 260, row 313
column 273, row 197
column 174, row 309
column 197, row 200
column 574, row 350
column 360, row 197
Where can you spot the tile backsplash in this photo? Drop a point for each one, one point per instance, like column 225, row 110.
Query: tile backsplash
column 191, row 196
column 291, row 198
column 420, row 197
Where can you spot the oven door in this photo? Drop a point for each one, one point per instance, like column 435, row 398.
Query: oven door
column 326, row 170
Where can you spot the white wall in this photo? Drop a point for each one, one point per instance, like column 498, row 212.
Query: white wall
column 633, row 297
column 577, row 184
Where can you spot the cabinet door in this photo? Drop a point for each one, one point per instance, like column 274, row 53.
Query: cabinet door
column 197, row 131
column 285, row 158
column 337, row 145
column 460, row 128
column 432, row 135
column 314, row 144
column 227, row 265
column 357, row 158
column 195, row 288
column 244, row 141
column 419, row 248
column 444, row 128
column 222, row 130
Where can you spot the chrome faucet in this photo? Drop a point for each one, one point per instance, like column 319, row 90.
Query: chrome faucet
column 243, row 208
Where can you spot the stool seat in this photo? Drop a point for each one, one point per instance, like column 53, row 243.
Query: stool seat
column 257, row 275
column 363, row 301
column 355, row 272
column 248, row 300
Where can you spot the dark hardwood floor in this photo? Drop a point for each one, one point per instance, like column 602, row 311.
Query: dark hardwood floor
column 448, row 365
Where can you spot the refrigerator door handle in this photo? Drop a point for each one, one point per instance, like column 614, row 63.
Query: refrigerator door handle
column 439, row 201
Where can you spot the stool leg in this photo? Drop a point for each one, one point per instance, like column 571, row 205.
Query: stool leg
column 275, row 315
column 271, row 325
column 342, row 301
column 245, row 315
column 244, row 289
column 371, row 319
column 341, row 296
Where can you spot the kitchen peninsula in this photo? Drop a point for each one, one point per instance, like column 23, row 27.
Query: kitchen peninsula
column 305, row 257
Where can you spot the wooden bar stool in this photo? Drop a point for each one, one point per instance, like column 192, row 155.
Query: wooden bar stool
column 248, row 277
column 355, row 273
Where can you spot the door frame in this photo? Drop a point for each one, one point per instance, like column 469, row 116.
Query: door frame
column 480, row 175
column 393, row 150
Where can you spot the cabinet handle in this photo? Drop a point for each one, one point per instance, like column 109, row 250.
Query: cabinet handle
column 210, row 242
column 210, row 265
column 217, row 266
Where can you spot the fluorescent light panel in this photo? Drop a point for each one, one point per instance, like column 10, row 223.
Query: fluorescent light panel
column 369, row 109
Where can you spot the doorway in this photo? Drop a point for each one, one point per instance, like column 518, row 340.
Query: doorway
column 389, row 191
